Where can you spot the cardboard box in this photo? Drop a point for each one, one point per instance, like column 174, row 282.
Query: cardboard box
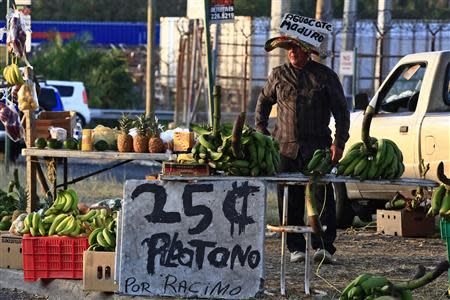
column 11, row 252
column 46, row 119
column 175, row 169
column 183, row 141
column 98, row 271
column 404, row 223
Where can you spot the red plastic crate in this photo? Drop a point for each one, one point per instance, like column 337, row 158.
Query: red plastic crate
column 53, row 257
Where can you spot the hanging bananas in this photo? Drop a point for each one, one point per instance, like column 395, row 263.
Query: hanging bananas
column 383, row 161
column 440, row 202
column 11, row 74
column 320, row 163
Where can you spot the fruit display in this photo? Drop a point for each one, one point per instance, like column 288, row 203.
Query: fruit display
column 106, row 135
column 124, row 139
column 375, row 287
column 12, row 202
column 103, row 237
column 383, row 160
column 12, row 75
column 320, row 163
column 140, row 140
column 440, row 201
column 25, row 98
column 397, row 202
column 240, row 151
column 155, row 143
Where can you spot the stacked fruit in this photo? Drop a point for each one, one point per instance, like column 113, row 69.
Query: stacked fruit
column 320, row 163
column 397, row 202
column 440, row 201
column 60, row 218
column 246, row 153
column 103, row 237
column 12, row 75
column 383, row 159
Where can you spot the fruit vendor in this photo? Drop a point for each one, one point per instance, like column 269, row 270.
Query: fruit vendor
column 307, row 93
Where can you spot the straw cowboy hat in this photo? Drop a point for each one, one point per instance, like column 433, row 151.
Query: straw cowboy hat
column 287, row 42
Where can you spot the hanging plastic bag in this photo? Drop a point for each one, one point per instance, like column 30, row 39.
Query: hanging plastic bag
column 16, row 35
column 11, row 121
column 27, row 96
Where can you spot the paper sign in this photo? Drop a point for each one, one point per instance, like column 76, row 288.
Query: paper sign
column 346, row 63
column 202, row 240
column 220, row 10
column 305, row 29
column 411, row 71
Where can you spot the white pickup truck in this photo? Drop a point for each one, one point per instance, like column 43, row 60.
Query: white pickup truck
column 412, row 108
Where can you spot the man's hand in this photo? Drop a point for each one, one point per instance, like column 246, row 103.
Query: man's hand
column 336, row 154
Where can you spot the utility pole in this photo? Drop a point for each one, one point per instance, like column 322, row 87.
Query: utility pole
column 348, row 36
column 150, row 68
column 324, row 12
column 383, row 26
column 278, row 9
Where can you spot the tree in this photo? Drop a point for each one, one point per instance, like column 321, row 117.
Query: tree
column 104, row 72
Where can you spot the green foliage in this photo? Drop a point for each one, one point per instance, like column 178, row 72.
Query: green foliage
column 104, row 72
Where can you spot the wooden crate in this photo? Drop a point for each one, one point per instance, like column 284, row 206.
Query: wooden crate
column 46, row 119
column 404, row 223
column 98, row 271
column 175, row 169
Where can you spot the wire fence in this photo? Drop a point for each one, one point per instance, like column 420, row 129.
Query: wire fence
column 243, row 65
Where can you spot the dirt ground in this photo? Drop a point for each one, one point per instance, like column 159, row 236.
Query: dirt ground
column 361, row 251
column 358, row 251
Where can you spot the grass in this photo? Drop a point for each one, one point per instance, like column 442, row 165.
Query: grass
column 89, row 191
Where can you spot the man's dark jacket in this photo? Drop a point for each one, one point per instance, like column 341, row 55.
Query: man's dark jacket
column 305, row 100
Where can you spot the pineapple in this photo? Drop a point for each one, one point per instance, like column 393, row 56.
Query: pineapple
column 155, row 144
column 124, row 140
column 140, row 141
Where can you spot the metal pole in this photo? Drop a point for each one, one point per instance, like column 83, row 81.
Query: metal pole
column 151, row 45
column 7, row 146
column 348, row 36
column 244, row 96
column 209, row 74
column 284, row 222
column 355, row 74
column 324, row 12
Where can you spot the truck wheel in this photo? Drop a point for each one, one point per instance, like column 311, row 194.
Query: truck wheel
column 344, row 209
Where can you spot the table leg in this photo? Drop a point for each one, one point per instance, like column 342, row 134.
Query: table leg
column 65, row 172
column 31, row 184
column 283, row 242
column 308, row 252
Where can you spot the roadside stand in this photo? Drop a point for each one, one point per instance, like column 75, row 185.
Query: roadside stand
column 197, row 229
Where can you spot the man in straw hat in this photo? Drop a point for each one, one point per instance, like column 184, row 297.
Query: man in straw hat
column 307, row 93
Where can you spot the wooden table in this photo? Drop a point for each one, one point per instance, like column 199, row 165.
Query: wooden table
column 34, row 170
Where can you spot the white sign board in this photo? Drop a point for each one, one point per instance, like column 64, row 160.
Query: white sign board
column 221, row 11
column 306, row 29
column 346, row 63
column 23, row 2
column 202, row 239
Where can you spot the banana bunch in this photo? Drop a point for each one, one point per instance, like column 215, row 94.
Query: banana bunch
column 25, row 98
column 103, row 238
column 383, row 161
column 256, row 154
column 186, row 158
column 66, row 201
column 397, row 202
column 34, row 225
column 12, row 75
column 440, row 201
column 320, row 163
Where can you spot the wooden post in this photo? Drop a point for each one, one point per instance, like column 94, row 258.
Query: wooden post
column 65, row 173
column 151, row 45
column 31, row 162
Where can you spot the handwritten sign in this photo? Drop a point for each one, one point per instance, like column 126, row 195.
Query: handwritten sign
column 192, row 239
column 306, row 29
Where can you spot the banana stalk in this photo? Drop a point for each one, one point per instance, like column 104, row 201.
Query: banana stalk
column 237, row 134
column 425, row 279
column 217, row 93
column 368, row 115
column 311, row 209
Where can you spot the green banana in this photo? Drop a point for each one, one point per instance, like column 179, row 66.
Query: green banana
column 34, row 231
column 93, row 236
column 350, row 156
column 316, row 159
column 372, row 169
column 87, row 216
column 445, row 206
column 355, row 146
column 41, row 228
column 62, row 225
column 101, row 241
column 357, row 281
column 436, row 199
column 352, row 165
column 36, row 219
column 205, row 143
column 68, row 202
column 240, row 164
column 381, row 152
column 49, row 219
column 373, row 282
column 355, row 292
column 359, row 168
column 74, row 196
column 109, row 238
